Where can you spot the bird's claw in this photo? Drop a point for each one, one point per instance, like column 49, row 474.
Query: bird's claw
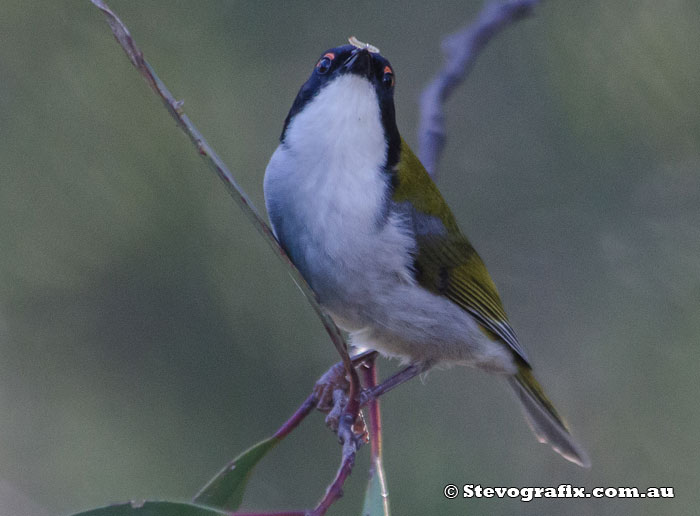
column 325, row 389
column 331, row 391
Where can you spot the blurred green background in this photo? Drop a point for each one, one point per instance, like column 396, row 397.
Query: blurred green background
column 148, row 335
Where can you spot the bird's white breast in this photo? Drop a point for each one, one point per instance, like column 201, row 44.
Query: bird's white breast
column 327, row 197
column 334, row 150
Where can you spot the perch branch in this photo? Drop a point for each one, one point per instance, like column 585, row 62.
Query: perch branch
column 335, row 490
column 460, row 50
column 298, row 416
column 370, row 377
column 369, row 374
column 174, row 107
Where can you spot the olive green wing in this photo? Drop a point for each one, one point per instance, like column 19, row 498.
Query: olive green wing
column 445, row 262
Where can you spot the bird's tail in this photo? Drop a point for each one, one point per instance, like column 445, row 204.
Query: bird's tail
column 543, row 418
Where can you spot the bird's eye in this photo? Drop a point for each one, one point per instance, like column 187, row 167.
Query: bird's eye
column 388, row 78
column 324, row 64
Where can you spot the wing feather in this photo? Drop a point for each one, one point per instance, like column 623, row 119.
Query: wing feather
column 445, row 262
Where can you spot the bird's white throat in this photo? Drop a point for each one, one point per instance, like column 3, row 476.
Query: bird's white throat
column 340, row 125
column 330, row 164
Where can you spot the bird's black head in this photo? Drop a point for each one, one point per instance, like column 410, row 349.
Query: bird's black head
column 363, row 61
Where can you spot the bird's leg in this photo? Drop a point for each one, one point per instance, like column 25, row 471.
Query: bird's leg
column 335, row 379
column 332, row 390
column 394, row 381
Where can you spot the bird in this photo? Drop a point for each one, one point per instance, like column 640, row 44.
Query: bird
column 364, row 223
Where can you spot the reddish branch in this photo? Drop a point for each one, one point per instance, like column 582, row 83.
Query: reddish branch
column 369, row 376
column 303, row 411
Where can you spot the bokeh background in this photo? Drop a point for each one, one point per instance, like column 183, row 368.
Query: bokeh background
column 148, row 335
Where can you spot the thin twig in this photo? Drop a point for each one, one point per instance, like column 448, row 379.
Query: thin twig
column 298, row 416
column 392, row 382
column 370, row 376
column 335, row 490
column 174, row 107
column 123, row 37
column 460, row 50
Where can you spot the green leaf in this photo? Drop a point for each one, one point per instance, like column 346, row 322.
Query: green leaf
column 376, row 496
column 153, row 509
column 226, row 489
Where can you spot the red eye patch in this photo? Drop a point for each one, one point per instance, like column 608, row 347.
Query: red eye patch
column 327, row 58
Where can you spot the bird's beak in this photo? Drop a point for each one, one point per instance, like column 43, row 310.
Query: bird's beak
column 360, row 62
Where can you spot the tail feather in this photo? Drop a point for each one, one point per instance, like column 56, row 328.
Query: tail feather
column 543, row 418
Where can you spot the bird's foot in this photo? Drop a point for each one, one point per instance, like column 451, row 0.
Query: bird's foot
column 332, row 391
column 330, row 387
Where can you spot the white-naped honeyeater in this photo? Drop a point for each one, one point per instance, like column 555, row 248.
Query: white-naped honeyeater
column 364, row 223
